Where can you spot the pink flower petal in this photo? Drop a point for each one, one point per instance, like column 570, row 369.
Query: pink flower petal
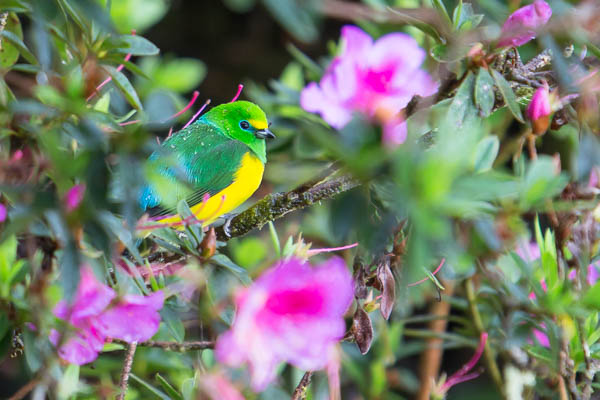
column 376, row 78
column 91, row 298
column 520, row 27
column 293, row 313
column 355, row 41
column 394, row 132
column 313, row 99
column 80, row 348
column 134, row 319
column 217, row 387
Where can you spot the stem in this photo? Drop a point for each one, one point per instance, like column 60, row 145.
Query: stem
column 490, row 361
column 300, row 391
column 174, row 346
column 276, row 205
column 24, row 391
column 126, row 370
column 589, row 372
column 431, row 358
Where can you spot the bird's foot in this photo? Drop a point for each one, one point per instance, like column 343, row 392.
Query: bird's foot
column 228, row 219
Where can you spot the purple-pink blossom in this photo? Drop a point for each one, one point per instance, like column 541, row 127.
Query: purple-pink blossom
column 3, row 213
column 376, row 78
column 97, row 314
column 218, row 387
column 74, row 197
column 520, row 27
column 292, row 313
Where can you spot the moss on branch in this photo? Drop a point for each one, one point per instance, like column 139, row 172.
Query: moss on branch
column 276, row 205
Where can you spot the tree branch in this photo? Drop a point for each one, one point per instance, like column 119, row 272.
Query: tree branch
column 174, row 346
column 300, row 391
column 126, row 370
column 276, row 205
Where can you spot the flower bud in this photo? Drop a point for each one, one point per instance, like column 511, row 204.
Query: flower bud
column 520, row 27
column 74, row 197
column 539, row 110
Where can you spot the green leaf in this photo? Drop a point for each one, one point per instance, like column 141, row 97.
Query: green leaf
column 224, row 261
column 541, row 182
column 295, row 16
column 485, row 153
column 115, row 225
column 150, row 388
column 33, row 353
column 275, row 239
column 174, row 394
column 179, row 75
column 194, row 230
column 18, row 6
column 18, row 43
column 126, row 88
column 508, row 95
column 484, row 92
column 79, row 20
column 67, row 386
column 138, row 46
column 439, row 5
column 462, row 109
column 188, row 386
column 173, row 323
column 128, row 15
column 457, row 15
column 592, row 297
column 103, row 103
column 9, row 53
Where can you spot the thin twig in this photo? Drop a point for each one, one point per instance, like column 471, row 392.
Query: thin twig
column 300, row 391
column 174, row 346
column 490, row 361
column 126, row 370
column 24, row 391
column 431, row 358
column 589, row 372
column 566, row 367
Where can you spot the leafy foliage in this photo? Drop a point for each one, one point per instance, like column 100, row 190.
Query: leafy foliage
column 82, row 98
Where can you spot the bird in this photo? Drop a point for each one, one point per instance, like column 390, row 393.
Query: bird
column 215, row 164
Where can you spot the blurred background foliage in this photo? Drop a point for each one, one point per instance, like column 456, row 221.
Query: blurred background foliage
column 454, row 190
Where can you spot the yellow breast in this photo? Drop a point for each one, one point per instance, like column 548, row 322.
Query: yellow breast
column 245, row 182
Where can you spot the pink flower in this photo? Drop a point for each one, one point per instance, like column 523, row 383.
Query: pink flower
column 292, row 313
column 74, row 197
column 3, row 213
column 217, row 387
column 462, row 375
column 592, row 181
column 94, row 319
column 520, row 27
column 376, row 78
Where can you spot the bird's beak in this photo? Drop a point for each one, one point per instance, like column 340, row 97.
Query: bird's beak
column 264, row 134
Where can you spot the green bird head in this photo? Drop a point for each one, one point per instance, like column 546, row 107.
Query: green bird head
column 243, row 121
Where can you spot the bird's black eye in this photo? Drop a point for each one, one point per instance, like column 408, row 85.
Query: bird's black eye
column 244, row 125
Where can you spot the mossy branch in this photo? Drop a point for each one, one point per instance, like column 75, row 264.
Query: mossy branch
column 276, row 205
